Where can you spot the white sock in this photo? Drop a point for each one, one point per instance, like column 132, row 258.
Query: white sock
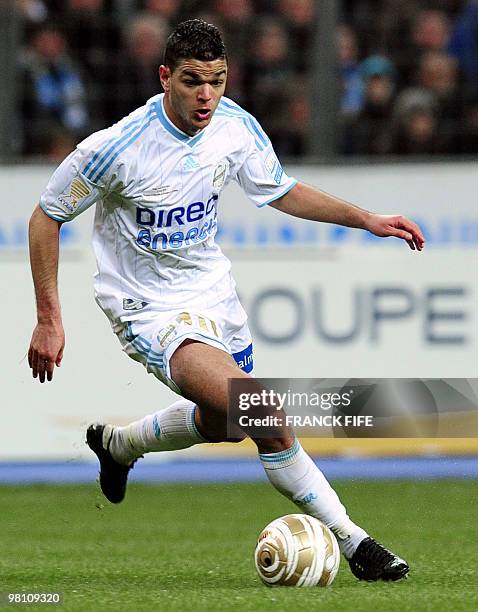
column 295, row 475
column 170, row 429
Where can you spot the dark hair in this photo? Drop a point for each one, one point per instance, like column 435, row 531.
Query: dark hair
column 194, row 39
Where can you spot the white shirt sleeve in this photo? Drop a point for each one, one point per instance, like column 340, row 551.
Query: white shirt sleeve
column 70, row 191
column 261, row 175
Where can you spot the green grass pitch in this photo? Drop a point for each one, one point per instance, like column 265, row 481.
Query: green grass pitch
column 190, row 547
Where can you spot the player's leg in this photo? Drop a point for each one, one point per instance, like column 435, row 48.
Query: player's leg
column 152, row 343
column 169, row 429
column 183, row 424
column 202, row 373
column 172, row 428
column 118, row 448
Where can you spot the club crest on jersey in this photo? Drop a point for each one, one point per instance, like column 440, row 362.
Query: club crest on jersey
column 78, row 191
column 219, row 176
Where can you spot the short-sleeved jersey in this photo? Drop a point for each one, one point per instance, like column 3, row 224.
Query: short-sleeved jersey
column 156, row 191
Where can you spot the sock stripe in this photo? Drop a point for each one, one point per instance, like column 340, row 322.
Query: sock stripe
column 192, row 424
column 156, row 427
column 281, row 456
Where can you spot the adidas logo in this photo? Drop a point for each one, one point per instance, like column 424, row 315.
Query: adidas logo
column 191, row 163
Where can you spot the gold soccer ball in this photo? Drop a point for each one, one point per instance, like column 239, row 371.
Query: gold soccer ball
column 297, row 550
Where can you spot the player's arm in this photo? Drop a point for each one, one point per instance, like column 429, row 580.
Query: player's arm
column 48, row 339
column 307, row 202
column 68, row 194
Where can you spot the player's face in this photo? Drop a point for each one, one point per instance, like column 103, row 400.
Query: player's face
column 192, row 92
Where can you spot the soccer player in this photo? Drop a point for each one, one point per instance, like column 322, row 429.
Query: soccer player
column 156, row 177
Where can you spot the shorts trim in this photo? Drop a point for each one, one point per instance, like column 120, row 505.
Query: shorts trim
column 143, row 346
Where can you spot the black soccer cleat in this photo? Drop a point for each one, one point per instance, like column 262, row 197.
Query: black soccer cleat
column 371, row 561
column 113, row 475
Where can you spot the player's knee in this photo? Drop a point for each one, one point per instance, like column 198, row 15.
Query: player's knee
column 215, row 428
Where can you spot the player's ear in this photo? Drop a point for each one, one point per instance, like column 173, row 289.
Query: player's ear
column 165, row 77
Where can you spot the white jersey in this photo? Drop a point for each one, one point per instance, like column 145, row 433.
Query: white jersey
column 156, row 191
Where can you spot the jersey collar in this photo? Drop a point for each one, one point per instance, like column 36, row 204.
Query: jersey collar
column 172, row 129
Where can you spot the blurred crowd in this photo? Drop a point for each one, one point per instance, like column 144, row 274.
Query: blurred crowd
column 407, row 69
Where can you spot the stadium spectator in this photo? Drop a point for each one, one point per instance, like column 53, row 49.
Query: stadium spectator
column 464, row 41
column 431, row 45
column 94, row 41
column 370, row 133
column 239, row 12
column 438, row 73
column 133, row 77
column 299, row 16
column 265, row 7
column 437, row 95
column 33, row 12
column 419, row 128
column 299, row 13
column 166, row 9
column 122, row 8
column 235, row 79
column 269, row 75
column 53, row 90
column 469, row 129
column 298, row 116
column 349, row 71
column 391, row 35
column 236, row 19
column 431, row 31
column 92, row 36
column 59, row 143
column 383, row 25
column 414, row 98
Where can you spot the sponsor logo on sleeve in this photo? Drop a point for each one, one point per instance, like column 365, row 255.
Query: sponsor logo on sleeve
column 273, row 167
column 271, row 162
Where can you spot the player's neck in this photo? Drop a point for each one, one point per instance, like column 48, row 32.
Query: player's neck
column 176, row 120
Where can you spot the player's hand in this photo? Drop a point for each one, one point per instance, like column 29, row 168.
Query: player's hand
column 398, row 226
column 46, row 349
